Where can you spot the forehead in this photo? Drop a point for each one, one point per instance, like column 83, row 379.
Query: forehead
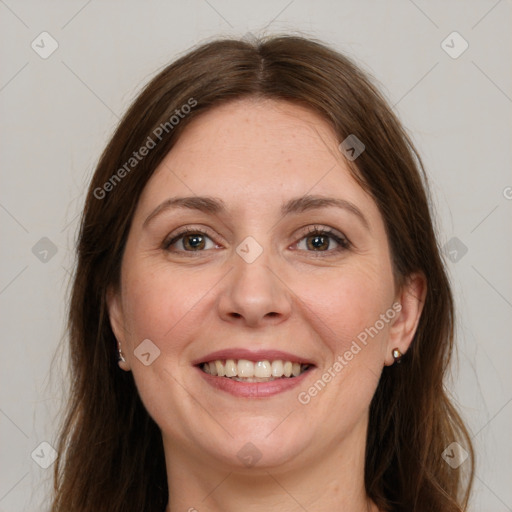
column 254, row 152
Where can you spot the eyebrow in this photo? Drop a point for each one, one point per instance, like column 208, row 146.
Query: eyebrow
column 216, row 206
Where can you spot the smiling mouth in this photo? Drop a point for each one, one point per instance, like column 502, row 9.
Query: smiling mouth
column 243, row 370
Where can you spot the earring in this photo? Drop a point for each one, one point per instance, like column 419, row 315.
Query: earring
column 121, row 357
column 397, row 355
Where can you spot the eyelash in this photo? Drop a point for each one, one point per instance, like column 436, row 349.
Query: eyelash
column 343, row 243
column 341, row 240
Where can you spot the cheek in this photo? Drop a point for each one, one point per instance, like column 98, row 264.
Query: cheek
column 162, row 306
column 159, row 304
column 357, row 311
column 346, row 305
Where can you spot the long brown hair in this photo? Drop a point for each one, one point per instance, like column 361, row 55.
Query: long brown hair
column 111, row 455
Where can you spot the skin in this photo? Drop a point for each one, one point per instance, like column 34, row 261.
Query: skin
column 255, row 155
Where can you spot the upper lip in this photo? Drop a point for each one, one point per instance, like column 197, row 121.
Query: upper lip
column 252, row 355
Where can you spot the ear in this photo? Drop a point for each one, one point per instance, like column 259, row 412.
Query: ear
column 411, row 298
column 116, row 316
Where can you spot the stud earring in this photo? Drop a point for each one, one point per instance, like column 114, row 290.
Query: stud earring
column 121, row 357
column 397, row 355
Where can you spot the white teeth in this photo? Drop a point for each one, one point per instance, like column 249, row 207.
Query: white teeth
column 263, row 369
column 231, row 368
column 220, row 368
column 249, row 371
column 245, row 368
column 277, row 368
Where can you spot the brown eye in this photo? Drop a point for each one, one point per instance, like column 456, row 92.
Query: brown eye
column 194, row 242
column 324, row 240
column 317, row 242
column 189, row 241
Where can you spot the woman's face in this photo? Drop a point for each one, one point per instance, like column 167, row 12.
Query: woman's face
column 285, row 260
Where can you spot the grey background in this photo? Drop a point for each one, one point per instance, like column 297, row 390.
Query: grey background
column 57, row 114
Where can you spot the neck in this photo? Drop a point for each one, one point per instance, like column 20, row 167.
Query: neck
column 333, row 480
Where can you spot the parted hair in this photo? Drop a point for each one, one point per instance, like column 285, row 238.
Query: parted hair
column 111, row 455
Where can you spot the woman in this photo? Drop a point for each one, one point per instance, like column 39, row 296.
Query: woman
column 260, row 317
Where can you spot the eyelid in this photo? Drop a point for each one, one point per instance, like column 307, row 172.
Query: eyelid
column 340, row 238
column 318, row 228
column 175, row 236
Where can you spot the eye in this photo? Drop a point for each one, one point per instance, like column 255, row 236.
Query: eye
column 317, row 239
column 189, row 240
column 322, row 240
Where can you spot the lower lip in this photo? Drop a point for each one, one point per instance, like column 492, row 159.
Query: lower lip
column 254, row 389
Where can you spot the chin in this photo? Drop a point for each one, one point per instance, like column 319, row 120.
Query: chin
column 261, row 443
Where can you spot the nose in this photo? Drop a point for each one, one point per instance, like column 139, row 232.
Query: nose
column 254, row 294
